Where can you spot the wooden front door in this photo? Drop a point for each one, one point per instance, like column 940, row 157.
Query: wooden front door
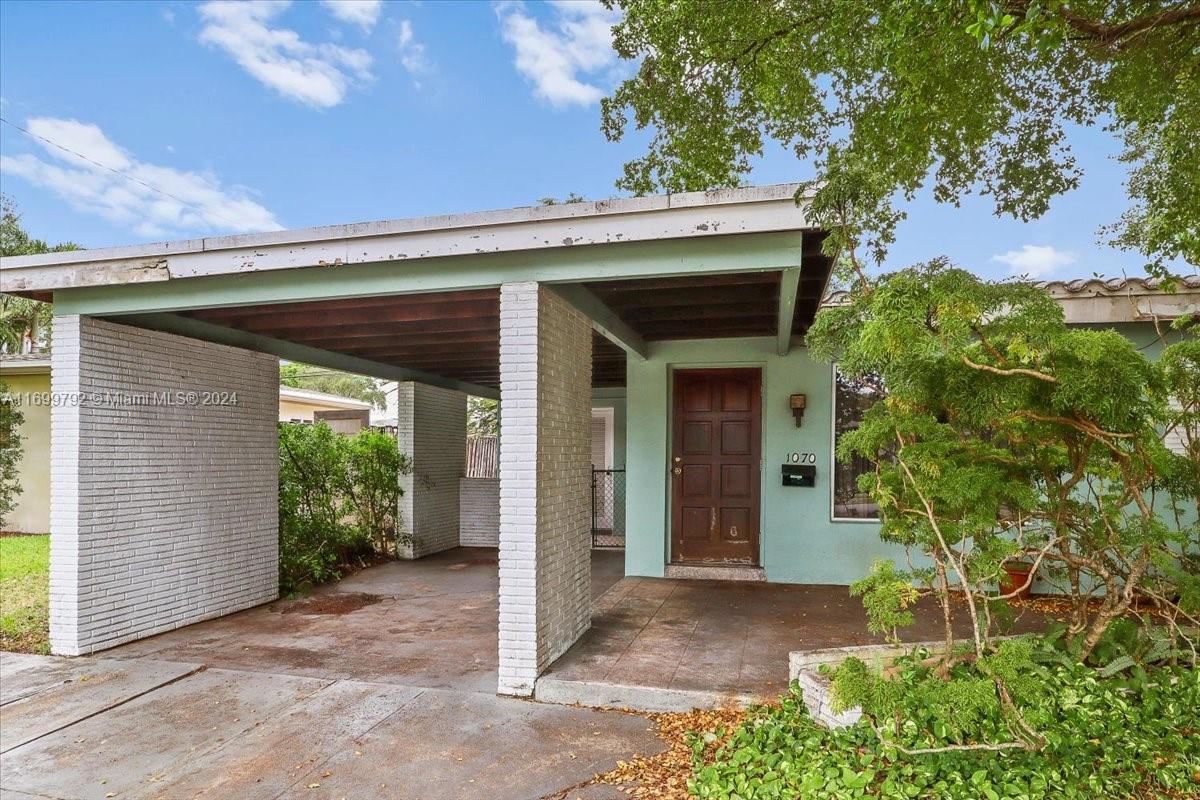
column 715, row 468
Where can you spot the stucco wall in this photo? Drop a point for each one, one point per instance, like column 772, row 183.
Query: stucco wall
column 799, row 543
column 289, row 410
column 32, row 512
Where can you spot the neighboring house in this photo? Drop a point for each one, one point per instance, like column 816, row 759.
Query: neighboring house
column 343, row 414
column 28, row 379
column 679, row 318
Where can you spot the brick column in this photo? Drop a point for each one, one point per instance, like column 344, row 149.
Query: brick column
column 545, row 457
column 164, row 482
column 432, row 431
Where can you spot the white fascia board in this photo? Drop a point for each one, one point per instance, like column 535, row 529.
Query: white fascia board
column 313, row 397
column 689, row 215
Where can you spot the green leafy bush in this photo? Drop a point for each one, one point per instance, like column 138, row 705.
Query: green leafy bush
column 1008, row 436
column 338, row 501
column 1119, row 737
column 11, row 419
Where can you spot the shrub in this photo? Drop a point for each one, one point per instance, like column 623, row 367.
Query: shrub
column 338, row 501
column 10, row 451
column 1104, row 738
column 1008, row 436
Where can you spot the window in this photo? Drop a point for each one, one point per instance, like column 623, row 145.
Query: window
column 851, row 398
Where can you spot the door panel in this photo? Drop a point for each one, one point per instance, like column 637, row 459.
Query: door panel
column 715, row 469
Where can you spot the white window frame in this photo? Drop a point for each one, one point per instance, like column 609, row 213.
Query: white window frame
column 833, row 455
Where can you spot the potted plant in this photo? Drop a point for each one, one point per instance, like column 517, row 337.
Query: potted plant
column 1016, row 576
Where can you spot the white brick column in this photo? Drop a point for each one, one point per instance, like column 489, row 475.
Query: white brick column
column 432, row 432
column 545, row 457
column 164, row 482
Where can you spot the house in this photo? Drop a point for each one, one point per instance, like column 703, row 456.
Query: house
column 28, row 379
column 683, row 314
column 343, row 414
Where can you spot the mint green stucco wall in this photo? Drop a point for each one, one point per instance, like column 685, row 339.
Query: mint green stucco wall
column 799, row 542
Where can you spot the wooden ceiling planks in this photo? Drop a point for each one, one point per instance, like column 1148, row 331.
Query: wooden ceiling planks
column 457, row 334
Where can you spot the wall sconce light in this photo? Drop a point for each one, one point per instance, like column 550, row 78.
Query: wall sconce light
column 799, row 401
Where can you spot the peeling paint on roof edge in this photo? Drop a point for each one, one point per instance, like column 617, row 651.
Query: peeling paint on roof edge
column 694, row 215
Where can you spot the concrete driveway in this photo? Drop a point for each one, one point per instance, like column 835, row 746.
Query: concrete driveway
column 380, row 687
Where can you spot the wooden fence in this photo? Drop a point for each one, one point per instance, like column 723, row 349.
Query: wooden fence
column 483, row 456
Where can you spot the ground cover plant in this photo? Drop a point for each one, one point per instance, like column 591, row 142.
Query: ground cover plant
column 1104, row 738
column 338, row 502
column 24, row 593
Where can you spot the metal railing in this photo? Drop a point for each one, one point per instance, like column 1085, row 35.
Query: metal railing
column 608, row 508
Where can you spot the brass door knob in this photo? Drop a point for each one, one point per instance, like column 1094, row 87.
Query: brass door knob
column 677, row 471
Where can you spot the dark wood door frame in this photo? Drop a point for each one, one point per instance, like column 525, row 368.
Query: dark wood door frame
column 715, row 468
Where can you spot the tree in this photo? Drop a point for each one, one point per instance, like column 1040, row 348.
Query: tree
column 886, row 98
column 11, row 419
column 483, row 416
column 331, row 381
column 24, row 323
column 1005, row 436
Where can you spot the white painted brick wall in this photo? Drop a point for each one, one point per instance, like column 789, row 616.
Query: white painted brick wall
column 545, row 472
column 479, row 512
column 432, row 431
column 161, row 515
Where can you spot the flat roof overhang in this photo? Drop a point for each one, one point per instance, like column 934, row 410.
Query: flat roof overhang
column 419, row 299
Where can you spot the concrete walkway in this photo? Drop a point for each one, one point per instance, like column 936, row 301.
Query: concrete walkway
column 671, row 645
column 380, row 686
column 104, row 728
column 429, row 623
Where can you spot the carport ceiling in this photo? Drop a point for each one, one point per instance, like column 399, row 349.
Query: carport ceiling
column 457, row 334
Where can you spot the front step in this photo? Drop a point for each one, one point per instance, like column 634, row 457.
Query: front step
column 722, row 572
column 602, row 694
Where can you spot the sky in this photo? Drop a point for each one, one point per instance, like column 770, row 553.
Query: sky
column 231, row 117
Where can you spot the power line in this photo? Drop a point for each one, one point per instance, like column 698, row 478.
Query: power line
column 117, row 172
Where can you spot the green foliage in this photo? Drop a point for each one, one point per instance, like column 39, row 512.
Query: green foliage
column 11, row 418
column 338, row 500
column 1104, row 738
column 887, row 596
column 21, row 319
column 331, row 381
column 885, row 99
column 1007, row 435
column 374, row 465
column 483, row 416
column 24, row 594
column 571, row 197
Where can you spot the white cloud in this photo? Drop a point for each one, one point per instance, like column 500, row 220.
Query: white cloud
column 203, row 204
column 1034, row 260
column 412, row 52
column 318, row 75
column 364, row 13
column 557, row 58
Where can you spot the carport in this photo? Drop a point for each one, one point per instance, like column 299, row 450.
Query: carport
column 165, row 378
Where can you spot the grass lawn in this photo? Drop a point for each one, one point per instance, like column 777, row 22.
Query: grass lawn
column 24, row 593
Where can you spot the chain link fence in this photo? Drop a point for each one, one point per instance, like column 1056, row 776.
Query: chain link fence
column 608, row 508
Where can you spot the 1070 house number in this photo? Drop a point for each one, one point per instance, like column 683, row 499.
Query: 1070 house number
column 802, row 458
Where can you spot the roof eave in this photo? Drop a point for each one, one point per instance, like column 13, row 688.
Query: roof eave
column 688, row 215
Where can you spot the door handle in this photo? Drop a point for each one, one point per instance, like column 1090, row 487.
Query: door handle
column 677, row 471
